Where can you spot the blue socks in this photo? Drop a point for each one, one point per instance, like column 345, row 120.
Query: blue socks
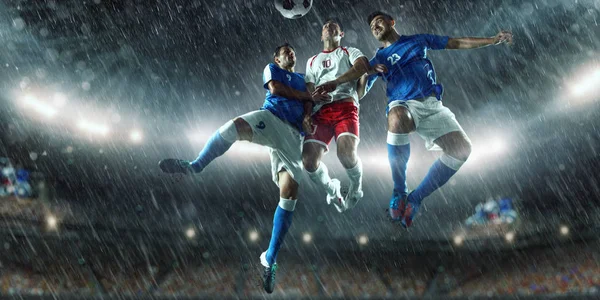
column 439, row 173
column 215, row 147
column 398, row 146
column 282, row 220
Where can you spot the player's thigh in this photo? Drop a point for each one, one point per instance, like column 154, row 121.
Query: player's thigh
column 266, row 127
column 347, row 145
column 400, row 120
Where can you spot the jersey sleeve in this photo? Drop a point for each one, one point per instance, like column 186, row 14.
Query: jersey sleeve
column 354, row 54
column 435, row 42
column 269, row 73
column 370, row 82
column 309, row 76
column 373, row 61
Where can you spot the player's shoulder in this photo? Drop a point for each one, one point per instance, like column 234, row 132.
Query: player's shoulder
column 310, row 61
column 271, row 67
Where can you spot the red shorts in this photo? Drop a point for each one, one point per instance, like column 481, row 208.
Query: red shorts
column 334, row 120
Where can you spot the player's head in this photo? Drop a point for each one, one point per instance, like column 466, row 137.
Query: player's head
column 332, row 30
column 381, row 24
column 285, row 56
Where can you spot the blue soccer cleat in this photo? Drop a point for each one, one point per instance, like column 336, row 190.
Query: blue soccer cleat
column 175, row 166
column 397, row 207
column 412, row 208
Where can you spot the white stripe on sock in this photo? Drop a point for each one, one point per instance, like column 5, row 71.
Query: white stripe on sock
column 397, row 139
column 287, row 204
column 451, row 162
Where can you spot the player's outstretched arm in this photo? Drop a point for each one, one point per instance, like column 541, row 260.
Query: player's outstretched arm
column 476, row 42
column 282, row 90
column 279, row 89
column 360, row 67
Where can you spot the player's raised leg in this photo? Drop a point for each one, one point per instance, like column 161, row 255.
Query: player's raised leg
column 217, row 145
column 400, row 124
column 282, row 220
column 457, row 148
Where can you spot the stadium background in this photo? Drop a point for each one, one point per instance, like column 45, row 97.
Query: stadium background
column 95, row 93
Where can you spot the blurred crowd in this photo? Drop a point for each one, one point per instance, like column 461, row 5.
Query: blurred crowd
column 574, row 270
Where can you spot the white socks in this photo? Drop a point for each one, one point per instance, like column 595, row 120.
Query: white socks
column 321, row 177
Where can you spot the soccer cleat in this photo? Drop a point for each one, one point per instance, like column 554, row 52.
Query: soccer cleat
column 352, row 198
column 397, row 207
column 175, row 166
column 412, row 208
column 335, row 195
column 268, row 276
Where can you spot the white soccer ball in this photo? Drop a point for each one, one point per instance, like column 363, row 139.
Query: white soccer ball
column 293, row 9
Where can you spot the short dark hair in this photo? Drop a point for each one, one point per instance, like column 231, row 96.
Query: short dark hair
column 335, row 21
column 276, row 53
column 378, row 13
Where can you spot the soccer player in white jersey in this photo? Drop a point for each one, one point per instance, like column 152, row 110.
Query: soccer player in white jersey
column 338, row 119
column 415, row 104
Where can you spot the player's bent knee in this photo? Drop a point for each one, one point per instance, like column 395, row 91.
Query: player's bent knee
column 311, row 155
column 244, row 130
column 400, row 120
column 346, row 151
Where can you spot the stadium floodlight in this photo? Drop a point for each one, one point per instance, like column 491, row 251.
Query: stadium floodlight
column 253, row 235
column 510, row 236
column 51, row 222
column 587, row 84
column 363, row 240
column 564, row 230
column 39, row 106
column 93, row 127
column 458, row 240
column 190, row 233
column 135, row 136
column 307, row 237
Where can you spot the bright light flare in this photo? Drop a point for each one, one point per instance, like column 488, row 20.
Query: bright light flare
column 253, row 236
column 190, row 233
column 564, row 230
column 307, row 237
column 59, row 99
column 135, row 136
column 587, row 84
column 93, row 127
column 510, row 237
column 39, row 106
column 51, row 222
column 458, row 240
column 363, row 240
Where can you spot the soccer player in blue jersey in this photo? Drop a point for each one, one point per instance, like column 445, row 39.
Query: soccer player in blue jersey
column 414, row 104
column 277, row 125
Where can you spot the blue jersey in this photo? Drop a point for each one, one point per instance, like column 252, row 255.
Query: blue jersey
column 410, row 73
column 289, row 110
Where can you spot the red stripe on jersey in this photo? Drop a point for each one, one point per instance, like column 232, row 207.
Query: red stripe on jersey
column 346, row 50
column 312, row 59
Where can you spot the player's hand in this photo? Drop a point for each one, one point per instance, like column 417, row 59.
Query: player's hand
column 326, row 87
column 307, row 125
column 323, row 97
column 378, row 68
column 503, row 37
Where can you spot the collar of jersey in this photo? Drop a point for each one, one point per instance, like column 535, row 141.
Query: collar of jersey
column 325, row 51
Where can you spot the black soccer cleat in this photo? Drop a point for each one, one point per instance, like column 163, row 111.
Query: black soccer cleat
column 175, row 166
column 268, row 276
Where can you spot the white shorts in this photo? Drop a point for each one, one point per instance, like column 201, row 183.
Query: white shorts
column 283, row 140
column 432, row 119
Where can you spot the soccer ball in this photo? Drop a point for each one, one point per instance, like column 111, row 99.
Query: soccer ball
column 293, row 9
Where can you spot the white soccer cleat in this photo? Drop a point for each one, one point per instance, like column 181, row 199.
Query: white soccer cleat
column 334, row 195
column 354, row 195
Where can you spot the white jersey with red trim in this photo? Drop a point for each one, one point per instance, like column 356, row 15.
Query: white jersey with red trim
column 329, row 65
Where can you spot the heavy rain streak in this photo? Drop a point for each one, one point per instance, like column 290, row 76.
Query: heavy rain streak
column 299, row 149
